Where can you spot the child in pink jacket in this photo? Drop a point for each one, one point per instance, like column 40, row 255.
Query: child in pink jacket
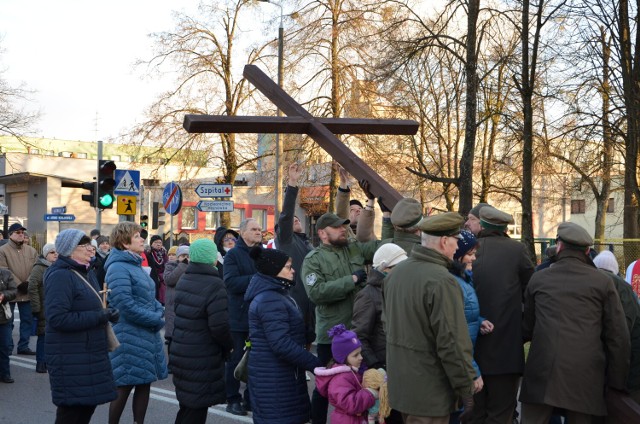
column 341, row 382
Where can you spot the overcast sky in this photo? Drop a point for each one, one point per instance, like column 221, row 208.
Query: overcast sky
column 78, row 55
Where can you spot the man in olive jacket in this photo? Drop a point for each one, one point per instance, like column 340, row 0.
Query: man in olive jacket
column 501, row 272
column 429, row 351
column 332, row 274
column 579, row 340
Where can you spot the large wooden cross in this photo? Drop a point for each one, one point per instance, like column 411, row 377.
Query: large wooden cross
column 321, row 130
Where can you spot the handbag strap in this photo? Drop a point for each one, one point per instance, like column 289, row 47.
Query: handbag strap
column 88, row 284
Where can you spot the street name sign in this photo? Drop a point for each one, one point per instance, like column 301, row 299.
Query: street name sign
column 59, row 217
column 215, row 206
column 214, row 190
column 60, row 209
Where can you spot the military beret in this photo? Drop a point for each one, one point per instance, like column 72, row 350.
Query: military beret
column 494, row 219
column 330, row 220
column 475, row 211
column 406, row 213
column 572, row 233
column 444, row 224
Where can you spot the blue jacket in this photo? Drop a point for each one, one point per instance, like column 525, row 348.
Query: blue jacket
column 238, row 270
column 140, row 359
column 76, row 350
column 471, row 310
column 201, row 339
column 278, row 359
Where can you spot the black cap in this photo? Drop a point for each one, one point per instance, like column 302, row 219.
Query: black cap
column 94, row 232
column 355, row 202
column 16, row 227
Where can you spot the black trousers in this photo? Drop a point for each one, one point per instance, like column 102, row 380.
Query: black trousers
column 319, row 403
column 74, row 414
column 191, row 415
column 495, row 403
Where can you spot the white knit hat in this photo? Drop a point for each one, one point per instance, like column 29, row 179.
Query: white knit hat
column 48, row 248
column 388, row 255
column 607, row 260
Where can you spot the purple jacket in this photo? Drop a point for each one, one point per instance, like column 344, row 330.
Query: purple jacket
column 343, row 387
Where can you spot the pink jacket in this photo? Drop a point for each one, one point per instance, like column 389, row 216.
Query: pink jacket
column 343, row 387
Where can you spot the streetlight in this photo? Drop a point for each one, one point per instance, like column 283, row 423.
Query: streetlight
column 279, row 151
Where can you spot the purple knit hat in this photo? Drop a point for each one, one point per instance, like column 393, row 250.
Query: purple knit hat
column 344, row 342
column 466, row 242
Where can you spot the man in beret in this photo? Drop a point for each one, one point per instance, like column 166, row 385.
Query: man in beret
column 401, row 225
column 501, row 272
column 429, row 352
column 473, row 219
column 332, row 274
column 574, row 319
column 19, row 258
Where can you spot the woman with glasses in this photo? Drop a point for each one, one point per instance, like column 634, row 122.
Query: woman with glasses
column 76, row 350
column 225, row 240
column 278, row 359
column 36, row 297
column 140, row 359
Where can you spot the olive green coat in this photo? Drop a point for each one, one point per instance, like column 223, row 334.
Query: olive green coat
column 327, row 277
column 574, row 319
column 429, row 350
column 36, row 292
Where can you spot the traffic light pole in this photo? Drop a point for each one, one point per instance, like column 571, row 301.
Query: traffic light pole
column 96, row 193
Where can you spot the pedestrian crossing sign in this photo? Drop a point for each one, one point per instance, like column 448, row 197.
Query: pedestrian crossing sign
column 127, row 205
column 127, row 182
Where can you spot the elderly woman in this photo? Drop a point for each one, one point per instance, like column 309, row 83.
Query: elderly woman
column 140, row 359
column 36, row 297
column 172, row 273
column 278, row 359
column 201, row 338
column 76, row 350
column 157, row 258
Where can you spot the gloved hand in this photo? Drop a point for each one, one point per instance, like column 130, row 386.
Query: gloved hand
column 113, row 314
column 467, row 413
column 383, row 208
column 185, row 261
column 364, row 185
column 361, row 276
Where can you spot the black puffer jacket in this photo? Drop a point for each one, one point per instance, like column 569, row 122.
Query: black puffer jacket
column 201, row 337
column 367, row 321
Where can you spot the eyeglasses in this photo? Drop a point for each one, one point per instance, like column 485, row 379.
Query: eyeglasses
column 18, row 232
column 87, row 246
column 229, row 239
column 289, row 267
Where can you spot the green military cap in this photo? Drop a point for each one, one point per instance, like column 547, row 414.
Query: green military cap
column 444, row 224
column 494, row 219
column 406, row 213
column 330, row 220
column 574, row 234
column 475, row 211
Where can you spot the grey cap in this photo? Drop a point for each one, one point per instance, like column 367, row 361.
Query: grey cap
column 330, row 220
column 444, row 224
column 475, row 211
column 182, row 250
column 406, row 213
column 494, row 219
column 574, row 234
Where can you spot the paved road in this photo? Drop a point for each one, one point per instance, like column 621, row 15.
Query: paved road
column 28, row 400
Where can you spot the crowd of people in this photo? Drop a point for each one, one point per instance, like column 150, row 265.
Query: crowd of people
column 442, row 306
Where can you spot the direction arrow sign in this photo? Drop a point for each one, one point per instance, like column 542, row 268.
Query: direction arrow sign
column 214, row 190
column 59, row 217
column 215, row 206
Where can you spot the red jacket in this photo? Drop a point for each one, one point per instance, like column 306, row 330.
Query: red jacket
column 343, row 387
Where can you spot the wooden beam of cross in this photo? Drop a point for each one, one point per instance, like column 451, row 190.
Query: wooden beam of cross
column 321, row 130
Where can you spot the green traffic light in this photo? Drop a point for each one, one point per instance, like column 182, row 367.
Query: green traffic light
column 106, row 201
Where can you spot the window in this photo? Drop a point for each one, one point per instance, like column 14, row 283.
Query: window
column 237, row 216
column 189, row 218
column 212, row 220
column 611, row 205
column 577, row 206
column 260, row 215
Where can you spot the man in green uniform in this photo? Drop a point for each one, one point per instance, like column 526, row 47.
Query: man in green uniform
column 332, row 275
column 429, row 351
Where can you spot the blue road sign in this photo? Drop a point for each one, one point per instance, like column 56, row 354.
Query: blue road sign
column 127, row 182
column 172, row 198
column 59, row 217
column 60, row 209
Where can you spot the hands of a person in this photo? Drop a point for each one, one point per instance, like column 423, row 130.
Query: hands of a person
column 467, row 404
column 364, row 185
column 486, row 327
column 478, row 384
column 344, row 177
column 113, row 314
column 383, row 208
column 359, row 276
column 295, row 171
column 185, row 261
